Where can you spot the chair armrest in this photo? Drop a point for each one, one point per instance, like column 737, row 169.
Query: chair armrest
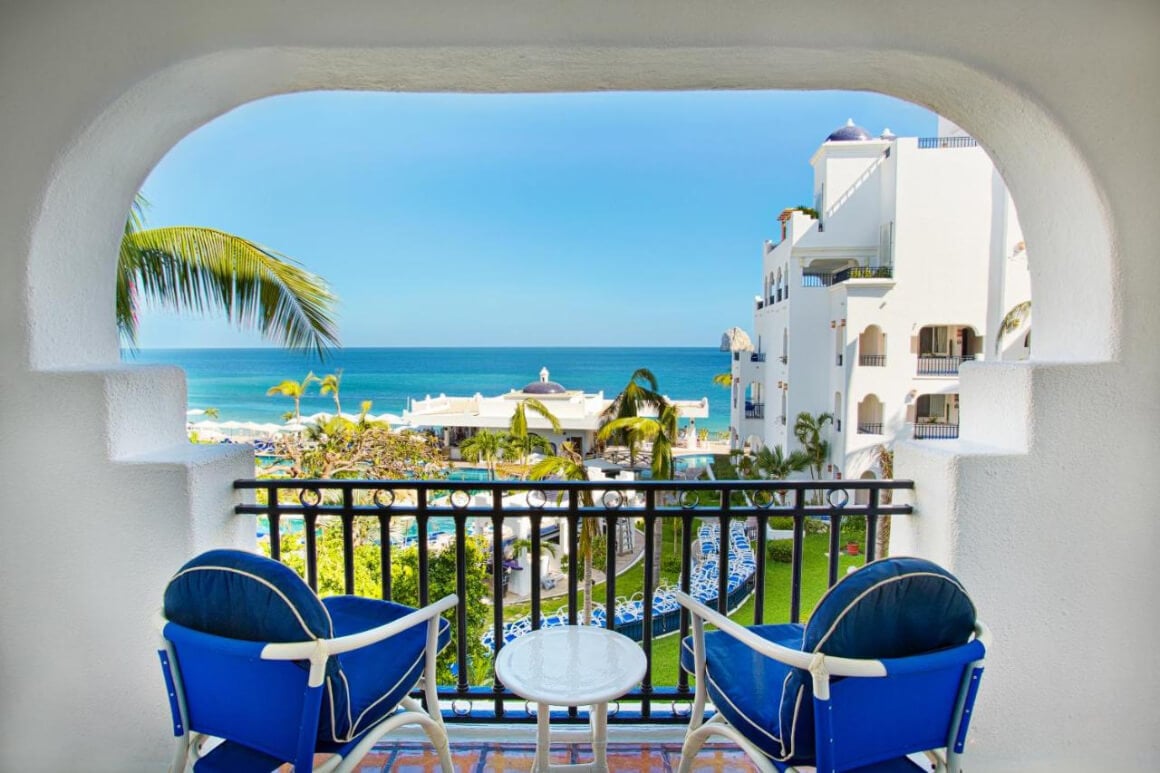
column 354, row 641
column 790, row 657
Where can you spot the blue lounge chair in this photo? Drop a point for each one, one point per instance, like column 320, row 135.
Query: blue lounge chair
column 251, row 656
column 888, row 666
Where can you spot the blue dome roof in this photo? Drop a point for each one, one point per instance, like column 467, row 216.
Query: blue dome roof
column 543, row 388
column 849, row 133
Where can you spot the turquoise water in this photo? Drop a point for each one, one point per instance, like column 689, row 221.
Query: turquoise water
column 694, row 460
column 235, row 380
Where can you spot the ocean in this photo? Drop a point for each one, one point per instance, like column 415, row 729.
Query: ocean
column 235, row 380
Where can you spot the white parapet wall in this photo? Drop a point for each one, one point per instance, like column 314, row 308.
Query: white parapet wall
column 1055, row 541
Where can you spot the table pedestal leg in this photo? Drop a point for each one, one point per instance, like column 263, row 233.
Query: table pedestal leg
column 543, row 737
column 599, row 719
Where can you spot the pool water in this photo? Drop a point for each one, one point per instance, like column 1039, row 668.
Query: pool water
column 695, row 460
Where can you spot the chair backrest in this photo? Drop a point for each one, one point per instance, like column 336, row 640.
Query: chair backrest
column 223, row 607
column 923, row 703
column 902, row 609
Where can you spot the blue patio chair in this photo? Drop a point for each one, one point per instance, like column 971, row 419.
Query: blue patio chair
column 888, row 666
column 251, row 656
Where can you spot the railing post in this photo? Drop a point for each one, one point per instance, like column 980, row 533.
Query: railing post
column 348, row 539
column 799, row 544
column 872, row 526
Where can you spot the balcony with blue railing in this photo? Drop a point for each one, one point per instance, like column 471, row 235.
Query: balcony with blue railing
column 355, row 518
column 754, row 410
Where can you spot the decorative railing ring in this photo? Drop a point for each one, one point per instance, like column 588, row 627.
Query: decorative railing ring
column 537, row 499
column 383, row 497
column 842, row 499
column 762, row 498
column 459, row 499
column 310, row 497
column 613, row 500
column 689, row 500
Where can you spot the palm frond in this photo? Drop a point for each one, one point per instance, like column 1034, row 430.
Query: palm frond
column 205, row 270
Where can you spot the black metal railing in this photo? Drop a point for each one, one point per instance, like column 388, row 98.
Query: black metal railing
column 927, row 143
column 838, row 361
column 869, row 428
column 864, row 272
column 872, row 360
column 757, row 357
column 933, row 431
column 346, row 513
column 829, row 278
column 755, row 410
column 937, row 365
column 837, row 425
column 760, row 303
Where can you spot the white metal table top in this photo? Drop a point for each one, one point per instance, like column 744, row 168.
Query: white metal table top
column 571, row 665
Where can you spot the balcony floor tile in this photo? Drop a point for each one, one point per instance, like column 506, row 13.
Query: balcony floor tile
column 473, row 756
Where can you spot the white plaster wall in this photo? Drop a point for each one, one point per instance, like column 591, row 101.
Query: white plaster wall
column 92, row 94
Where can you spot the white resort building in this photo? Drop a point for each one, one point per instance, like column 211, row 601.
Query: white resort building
column 577, row 411
column 870, row 303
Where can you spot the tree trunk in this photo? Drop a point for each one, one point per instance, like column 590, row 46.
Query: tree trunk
column 658, row 539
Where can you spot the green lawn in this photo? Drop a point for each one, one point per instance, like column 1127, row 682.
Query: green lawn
column 815, row 564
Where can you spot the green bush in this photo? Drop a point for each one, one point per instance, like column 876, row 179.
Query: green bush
column 780, row 550
column 780, row 522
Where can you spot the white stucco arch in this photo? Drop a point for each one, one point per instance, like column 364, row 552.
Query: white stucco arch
column 84, row 116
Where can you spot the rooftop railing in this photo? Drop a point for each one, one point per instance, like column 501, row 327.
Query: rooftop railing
column 361, row 509
column 755, row 410
column 929, row 143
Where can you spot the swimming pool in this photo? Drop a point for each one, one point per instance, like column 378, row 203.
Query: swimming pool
column 694, row 460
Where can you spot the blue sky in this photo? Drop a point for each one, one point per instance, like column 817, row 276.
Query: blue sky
column 600, row 219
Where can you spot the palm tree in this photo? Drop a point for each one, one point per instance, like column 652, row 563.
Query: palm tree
column 884, row 458
column 329, row 385
column 808, row 430
column 569, row 465
column 776, row 465
column 484, row 446
column 524, row 443
column 186, row 268
column 634, row 398
column 662, row 431
column 294, row 390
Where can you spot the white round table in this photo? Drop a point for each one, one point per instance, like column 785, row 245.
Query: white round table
column 573, row 665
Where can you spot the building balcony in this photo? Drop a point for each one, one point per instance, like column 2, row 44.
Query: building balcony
column 940, row 365
column 869, row 428
column 829, row 278
column 872, row 360
column 935, row 431
column 755, row 410
column 331, row 531
column 757, row 357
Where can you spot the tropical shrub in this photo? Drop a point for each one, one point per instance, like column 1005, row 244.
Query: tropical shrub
column 780, row 550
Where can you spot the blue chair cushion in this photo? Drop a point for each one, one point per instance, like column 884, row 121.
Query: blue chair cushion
column 240, row 595
column 891, row 608
column 746, row 687
column 368, row 683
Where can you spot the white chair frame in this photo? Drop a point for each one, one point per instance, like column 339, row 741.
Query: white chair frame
column 821, row 668
column 192, row 746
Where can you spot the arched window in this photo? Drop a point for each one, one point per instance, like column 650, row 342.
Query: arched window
column 872, row 347
column 870, row 415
